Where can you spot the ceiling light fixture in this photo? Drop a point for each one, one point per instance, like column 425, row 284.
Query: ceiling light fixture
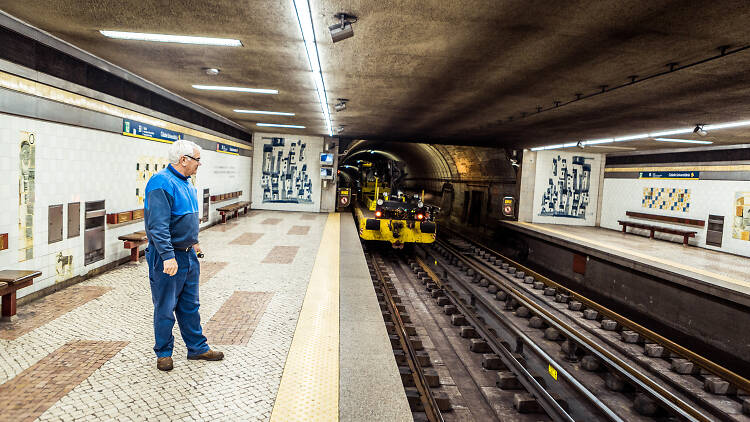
column 180, row 39
column 278, row 125
column 304, row 19
column 211, row 71
column 686, row 141
column 236, row 88
column 699, row 130
column 275, row 113
column 343, row 29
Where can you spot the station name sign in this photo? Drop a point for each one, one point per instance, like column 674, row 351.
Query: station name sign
column 150, row 132
column 679, row 175
column 227, row 149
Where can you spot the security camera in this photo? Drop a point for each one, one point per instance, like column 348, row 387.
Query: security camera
column 341, row 104
column 580, row 145
column 343, row 29
column 699, row 130
column 339, row 129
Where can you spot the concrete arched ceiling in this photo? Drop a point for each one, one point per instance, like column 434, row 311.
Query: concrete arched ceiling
column 484, row 72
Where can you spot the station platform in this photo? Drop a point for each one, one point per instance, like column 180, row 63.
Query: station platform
column 716, row 273
column 286, row 296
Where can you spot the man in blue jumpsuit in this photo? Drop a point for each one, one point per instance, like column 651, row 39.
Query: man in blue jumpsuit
column 171, row 216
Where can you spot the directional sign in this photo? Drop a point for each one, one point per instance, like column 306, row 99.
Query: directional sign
column 509, row 205
column 150, row 132
column 227, row 149
column 679, row 175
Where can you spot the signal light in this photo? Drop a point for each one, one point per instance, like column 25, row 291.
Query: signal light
column 378, row 213
column 420, row 216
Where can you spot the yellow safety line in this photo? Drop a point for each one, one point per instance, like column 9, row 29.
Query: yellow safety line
column 586, row 241
column 309, row 389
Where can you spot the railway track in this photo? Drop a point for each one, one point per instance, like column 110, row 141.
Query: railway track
column 603, row 366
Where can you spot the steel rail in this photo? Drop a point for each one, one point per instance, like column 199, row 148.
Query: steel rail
column 733, row 378
column 545, row 400
column 428, row 400
column 672, row 402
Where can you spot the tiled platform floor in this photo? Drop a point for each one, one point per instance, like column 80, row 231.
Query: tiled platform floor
column 114, row 310
column 712, row 268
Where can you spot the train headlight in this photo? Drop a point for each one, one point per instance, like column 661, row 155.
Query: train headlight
column 420, row 216
column 380, row 202
column 378, row 213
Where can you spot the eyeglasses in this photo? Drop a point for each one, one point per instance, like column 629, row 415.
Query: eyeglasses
column 193, row 158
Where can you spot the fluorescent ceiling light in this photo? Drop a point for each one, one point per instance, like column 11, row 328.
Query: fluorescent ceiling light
column 726, row 125
column 304, row 18
column 277, row 125
column 275, row 113
column 687, row 141
column 236, row 88
column 598, row 141
column 631, row 137
column 180, row 39
column 672, row 132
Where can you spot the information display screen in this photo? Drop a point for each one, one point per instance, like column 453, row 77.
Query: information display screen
column 326, row 158
column 326, row 173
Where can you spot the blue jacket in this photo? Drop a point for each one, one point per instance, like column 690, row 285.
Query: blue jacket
column 171, row 212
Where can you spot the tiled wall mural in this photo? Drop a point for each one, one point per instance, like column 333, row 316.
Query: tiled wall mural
column 741, row 222
column 667, row 199
column 26, row 195
column 567, row 194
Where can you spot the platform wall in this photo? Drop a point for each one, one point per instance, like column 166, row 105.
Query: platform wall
column 566, row 187
column 287, row 177
column 706, row 197
column 75, row 164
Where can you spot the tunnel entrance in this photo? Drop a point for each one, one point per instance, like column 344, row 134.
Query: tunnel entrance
column 475, row 209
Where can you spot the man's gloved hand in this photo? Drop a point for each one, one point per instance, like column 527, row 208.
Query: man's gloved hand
column 170, row 267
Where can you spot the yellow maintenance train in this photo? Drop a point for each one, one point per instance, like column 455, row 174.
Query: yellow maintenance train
column 394, row 217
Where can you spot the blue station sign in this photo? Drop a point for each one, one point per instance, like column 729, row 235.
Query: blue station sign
column 146, row 131
column 227, row 149
column 675, row 175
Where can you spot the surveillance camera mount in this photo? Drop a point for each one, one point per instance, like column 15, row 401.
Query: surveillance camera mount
column 345, row 18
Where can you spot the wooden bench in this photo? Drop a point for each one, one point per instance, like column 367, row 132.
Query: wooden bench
column 684, row 233
column 133, row 241
column 10, row 282
column 233, row 210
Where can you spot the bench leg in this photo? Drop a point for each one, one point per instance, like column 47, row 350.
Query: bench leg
column 134, row 254
column 9, row 307
column 223, row 218
column 236, row 213
column 651, row 236
column 624, row 227
column 685, row 241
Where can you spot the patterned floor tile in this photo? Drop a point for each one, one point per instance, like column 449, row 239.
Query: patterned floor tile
column 299, row 230
column 271, row 221
column 36, row 389
column 209, row 270
column 48, row 308
column 281, row 255
column 246, row 239
column 237, row 318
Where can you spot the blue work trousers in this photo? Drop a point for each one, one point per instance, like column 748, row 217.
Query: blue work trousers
column 176, row 295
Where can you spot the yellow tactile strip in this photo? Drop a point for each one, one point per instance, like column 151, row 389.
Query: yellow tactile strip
column 686, row 267
column 309, row 389
column 36, row 389
column 235, row 321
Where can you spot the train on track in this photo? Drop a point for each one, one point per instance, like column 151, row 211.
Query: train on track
column 385, row 213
